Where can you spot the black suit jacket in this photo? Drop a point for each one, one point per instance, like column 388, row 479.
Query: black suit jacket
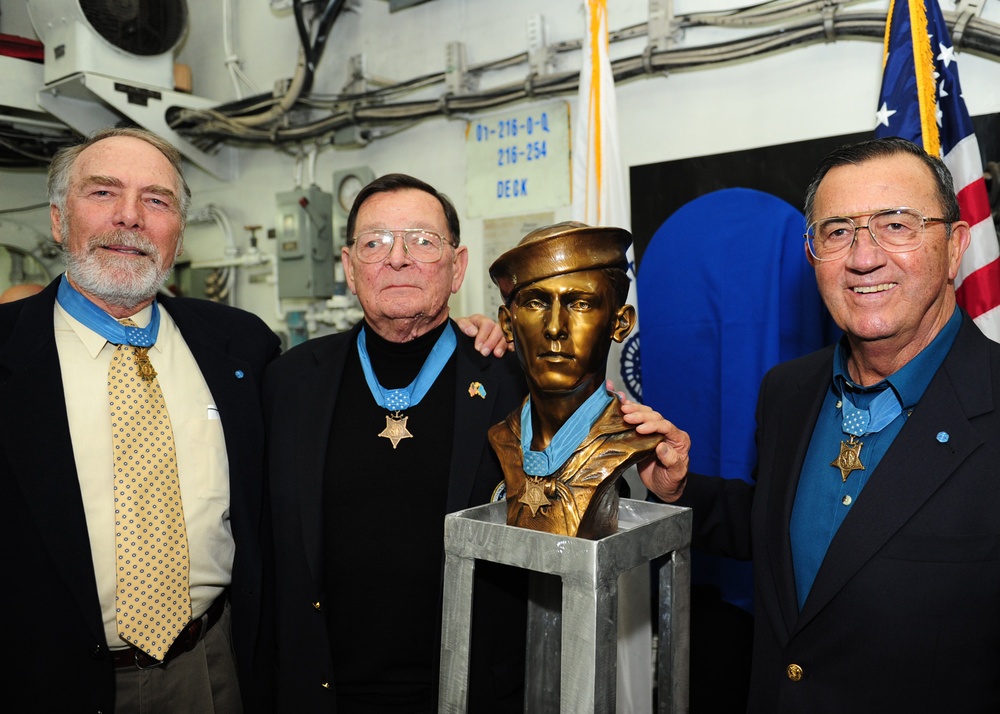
column 299, row 395
column 904, row 614
column 54, row 627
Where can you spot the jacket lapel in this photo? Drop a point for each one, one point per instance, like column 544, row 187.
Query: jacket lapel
column 316, row 394
column 784, row 455
column 913, row 468
column 473, row 418
column 37, row 438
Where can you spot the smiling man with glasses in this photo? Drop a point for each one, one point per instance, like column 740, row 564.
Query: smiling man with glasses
column 890, row 287
column 376, row 434
column 873, row 518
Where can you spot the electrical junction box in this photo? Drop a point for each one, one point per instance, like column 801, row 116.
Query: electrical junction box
column 304, row 238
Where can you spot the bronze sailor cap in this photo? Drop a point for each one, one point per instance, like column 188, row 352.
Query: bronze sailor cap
column 567, row 247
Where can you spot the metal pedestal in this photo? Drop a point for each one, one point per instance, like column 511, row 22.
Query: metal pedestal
column 582, row 634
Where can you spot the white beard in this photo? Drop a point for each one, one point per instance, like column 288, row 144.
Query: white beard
column 117, row 280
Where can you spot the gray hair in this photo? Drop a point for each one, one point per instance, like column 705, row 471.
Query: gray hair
column 62, row 165
column 883, row 148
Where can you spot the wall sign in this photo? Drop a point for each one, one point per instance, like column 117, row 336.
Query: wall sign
column 519, row 161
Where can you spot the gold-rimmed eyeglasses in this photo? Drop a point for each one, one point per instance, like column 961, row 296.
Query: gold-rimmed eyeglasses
column 895, row 230
column 375, row 245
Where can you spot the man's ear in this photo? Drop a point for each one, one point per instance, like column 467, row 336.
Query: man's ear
column 55, row 219
column 345, row 259
column 961, row 238
column 504, row 318
column 809, row 256
column 625, row 320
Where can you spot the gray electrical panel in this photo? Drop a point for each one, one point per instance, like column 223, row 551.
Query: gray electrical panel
column 304, row 233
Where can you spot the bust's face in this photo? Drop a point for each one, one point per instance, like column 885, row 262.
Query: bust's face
column 562, row 328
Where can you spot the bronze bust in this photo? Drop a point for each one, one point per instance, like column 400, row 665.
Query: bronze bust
column 564, row 289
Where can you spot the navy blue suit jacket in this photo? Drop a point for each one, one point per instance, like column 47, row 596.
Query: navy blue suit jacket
column 904, row 614
column 49, row 598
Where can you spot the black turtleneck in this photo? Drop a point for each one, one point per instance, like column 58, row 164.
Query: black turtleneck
column 383, row 579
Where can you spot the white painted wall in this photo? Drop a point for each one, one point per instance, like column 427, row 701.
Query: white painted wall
column 777, row 99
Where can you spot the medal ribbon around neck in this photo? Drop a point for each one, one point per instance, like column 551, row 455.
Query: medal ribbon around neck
column 397, row 400
column 570, row 435
column 93, row 317
column 857, row 423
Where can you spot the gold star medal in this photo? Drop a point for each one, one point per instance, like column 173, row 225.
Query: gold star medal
column 395, row 429
column 534, row 494
column 143, row 364
column 850, row 457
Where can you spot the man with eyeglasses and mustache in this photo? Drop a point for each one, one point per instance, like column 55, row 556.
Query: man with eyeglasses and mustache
column 373, row 436
column 96, row 626
column 873, row 523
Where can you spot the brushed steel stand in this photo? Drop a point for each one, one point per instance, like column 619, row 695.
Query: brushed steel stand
column 574, row 625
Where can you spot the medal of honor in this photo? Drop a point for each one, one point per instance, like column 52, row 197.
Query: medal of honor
column 858, row 423
column 396, row 400
column 145, row 367
column 850, row 457
column 117, row 332
column 534, row 494
column 395, row 429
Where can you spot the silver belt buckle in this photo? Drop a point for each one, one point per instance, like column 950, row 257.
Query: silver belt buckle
column 156, row 662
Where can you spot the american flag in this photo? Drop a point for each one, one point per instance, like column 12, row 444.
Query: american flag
column 921, row 100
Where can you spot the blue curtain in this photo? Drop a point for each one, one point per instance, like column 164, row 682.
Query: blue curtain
column 725, row 293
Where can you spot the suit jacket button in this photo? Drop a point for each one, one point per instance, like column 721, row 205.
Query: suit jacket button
column 794, row 672
column 97, row 652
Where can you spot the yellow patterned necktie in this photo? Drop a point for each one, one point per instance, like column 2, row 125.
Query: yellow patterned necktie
column 153, row 601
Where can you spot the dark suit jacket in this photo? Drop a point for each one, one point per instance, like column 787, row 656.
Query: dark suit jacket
column 299, row 395
column 53, row 623
column 904, row 615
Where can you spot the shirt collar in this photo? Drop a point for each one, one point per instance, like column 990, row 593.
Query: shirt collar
column 911, row 380
column 94, row 342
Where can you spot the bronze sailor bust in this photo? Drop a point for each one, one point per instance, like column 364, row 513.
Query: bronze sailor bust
column 565, row 288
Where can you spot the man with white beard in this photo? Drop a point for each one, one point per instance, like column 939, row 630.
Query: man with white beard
column 97, row 626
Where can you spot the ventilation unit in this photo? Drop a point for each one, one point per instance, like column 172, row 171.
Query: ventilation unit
column 109, row 62
column 130, row 40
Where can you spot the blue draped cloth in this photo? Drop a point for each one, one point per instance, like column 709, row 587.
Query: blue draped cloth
column 726, row 293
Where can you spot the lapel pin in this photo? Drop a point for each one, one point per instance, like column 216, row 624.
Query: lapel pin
column 239, row 374
column 477, row 389
column 943, row 437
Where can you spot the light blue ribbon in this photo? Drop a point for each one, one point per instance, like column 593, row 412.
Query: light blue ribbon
column 879, row 414
column 566, row 440
column 102, row 323
column 396, row 400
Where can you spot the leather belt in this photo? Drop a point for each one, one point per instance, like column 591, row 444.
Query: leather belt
column 186, row 640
